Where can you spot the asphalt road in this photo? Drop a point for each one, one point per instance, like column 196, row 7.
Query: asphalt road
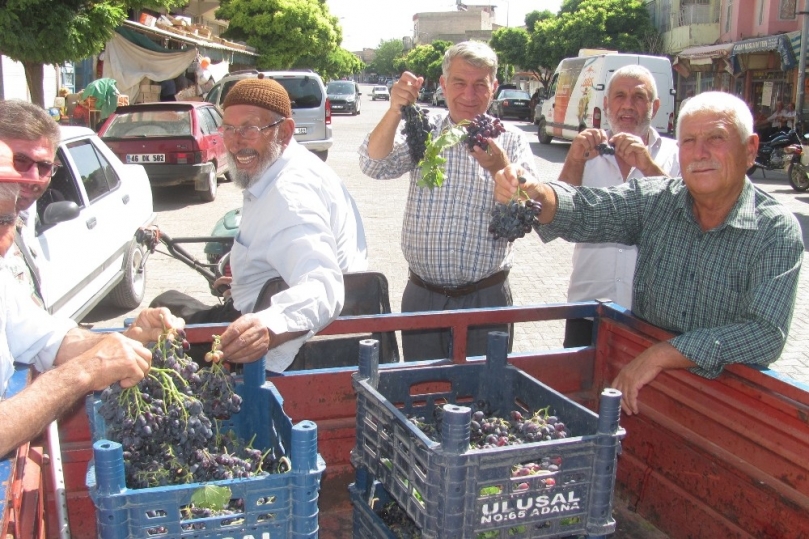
column 540, row 273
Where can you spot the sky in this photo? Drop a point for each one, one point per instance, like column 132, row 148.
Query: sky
column 367, row 22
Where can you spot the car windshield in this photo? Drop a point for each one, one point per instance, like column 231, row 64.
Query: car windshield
column 304, row 91
column 514, row 94
column 150, row 123
column 340, row 88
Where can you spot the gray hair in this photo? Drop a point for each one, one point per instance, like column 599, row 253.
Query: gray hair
column 9, row 192
column 728, row 105
column 21, row 120
column 476, row 53
column 637, row 72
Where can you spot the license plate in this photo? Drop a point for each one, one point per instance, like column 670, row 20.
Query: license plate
column 337, row 107
column 146, row 158
column 300, row 130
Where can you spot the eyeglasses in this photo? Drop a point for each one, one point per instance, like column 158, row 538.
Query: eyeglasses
column 248, row 132
column 23, row 163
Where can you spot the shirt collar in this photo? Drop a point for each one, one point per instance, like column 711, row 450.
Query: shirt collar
column 269, row 175
column 741, row 216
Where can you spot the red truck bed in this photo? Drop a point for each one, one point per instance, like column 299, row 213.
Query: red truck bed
column 704, row 458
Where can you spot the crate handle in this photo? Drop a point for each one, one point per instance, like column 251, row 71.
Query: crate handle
column 369, row 361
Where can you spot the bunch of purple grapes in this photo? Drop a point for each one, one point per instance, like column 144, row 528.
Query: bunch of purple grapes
column 166, row 423
column 515, row 219
column 416, row 130
column 481, row 128
column 605, row 149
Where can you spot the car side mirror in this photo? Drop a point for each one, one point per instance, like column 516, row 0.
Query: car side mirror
column 58, row 212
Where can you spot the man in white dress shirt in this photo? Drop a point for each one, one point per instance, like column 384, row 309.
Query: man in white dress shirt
column 298, row 222
column 606, row 270
column 72, row 361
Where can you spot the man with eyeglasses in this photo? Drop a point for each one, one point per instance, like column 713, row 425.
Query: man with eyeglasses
column 72, row 361
column 298, row 222
column 33, row 137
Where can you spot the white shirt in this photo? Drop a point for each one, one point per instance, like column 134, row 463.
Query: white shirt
column 606, row 270
column 298, row 222
column 28, row 334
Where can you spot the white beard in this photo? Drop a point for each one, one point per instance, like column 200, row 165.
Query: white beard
column 245, row 179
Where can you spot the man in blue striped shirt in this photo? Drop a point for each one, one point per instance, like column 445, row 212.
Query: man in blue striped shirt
column 718, row 259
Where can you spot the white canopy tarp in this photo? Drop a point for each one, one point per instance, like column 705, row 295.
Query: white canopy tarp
column 128, row 64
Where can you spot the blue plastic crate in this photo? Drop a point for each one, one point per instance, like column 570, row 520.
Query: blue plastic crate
column 368, row 497
column 275, row 505
column 453, row 492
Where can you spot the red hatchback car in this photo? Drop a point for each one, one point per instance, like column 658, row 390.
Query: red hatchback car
column 176, row 142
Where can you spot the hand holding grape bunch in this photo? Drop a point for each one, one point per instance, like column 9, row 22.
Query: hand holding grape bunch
column 515, row 219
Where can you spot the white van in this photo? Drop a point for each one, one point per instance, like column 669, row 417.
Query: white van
column 576, row 96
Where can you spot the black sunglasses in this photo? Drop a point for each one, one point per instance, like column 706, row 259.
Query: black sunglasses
column 23, row 163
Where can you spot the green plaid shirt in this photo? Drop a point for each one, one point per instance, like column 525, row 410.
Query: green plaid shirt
column 729, row 292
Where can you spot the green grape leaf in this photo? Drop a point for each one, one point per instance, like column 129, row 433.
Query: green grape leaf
column 432, row 165
column 211, row 497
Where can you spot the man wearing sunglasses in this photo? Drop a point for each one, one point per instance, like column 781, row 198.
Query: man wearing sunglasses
column 298, row 222
column 33, row 137
column 71, row 361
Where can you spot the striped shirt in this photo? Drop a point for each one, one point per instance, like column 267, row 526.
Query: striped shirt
column 445, row 236
column 729, row 292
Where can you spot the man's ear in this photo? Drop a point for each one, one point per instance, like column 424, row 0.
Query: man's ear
column 287, row 130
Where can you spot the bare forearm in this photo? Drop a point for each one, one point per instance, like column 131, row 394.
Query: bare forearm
column 76, row 342
column 546, row 196
column 572, row 171
column 26, row 414
column 380, row 143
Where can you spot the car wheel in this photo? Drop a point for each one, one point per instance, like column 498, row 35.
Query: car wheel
column 209, row 194
column 543, row 137
column 323, row 155
column 129, row 293
column 355, row 110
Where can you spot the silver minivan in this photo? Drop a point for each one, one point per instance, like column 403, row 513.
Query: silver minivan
column 311, row 109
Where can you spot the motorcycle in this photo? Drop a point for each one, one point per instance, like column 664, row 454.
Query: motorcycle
column 798, row 170
column 778, row 152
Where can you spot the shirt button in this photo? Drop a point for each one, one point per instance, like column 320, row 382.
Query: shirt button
column 620, row 250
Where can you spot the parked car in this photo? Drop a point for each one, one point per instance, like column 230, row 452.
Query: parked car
column 425, row 95
column 380, row 92
column 177, row 142
column 311, row 108
column 344, row 96
column 87, row 221
column 438, row 98
column 512, row 103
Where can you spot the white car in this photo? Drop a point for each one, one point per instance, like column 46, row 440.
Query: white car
column 85, row 228
column 380, row 92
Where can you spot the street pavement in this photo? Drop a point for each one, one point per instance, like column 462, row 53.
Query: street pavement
column 540, row 273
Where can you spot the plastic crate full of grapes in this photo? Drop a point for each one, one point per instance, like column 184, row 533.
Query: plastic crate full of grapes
column 483, row 450
column 281, row 502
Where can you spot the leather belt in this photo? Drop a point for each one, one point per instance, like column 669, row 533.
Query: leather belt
column 458, row 291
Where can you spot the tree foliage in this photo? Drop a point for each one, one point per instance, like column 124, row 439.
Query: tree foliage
column 283, row 31
column 336, row 64
column 38, row 32
column 388, row 59
column 622, row 25
column 425, row 60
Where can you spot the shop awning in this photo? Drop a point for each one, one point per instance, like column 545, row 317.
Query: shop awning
column 780, row 43
column 701, row 58
column 215, row 51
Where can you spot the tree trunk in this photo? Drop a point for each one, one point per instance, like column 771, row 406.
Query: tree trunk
column 35, row 76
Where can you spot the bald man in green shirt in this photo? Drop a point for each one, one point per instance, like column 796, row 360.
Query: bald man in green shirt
column 718, row 259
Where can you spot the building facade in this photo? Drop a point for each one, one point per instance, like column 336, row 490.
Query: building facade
column 749, row 48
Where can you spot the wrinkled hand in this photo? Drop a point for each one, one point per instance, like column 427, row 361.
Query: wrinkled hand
column 223, row 284
column 245, row 340
column 631, row 149
column 152, row 323
column 506, row 182
column 405, row 91
column 492, row 160
column 115, row 358
column 643, row 369
column 583, row 147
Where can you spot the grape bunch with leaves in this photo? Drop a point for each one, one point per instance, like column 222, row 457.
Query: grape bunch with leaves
column 427, row 150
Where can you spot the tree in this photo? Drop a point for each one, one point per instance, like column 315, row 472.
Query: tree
column 39, row 32
column 387, row 53
column 282, row 31
column 336, row 64
column 425, row 60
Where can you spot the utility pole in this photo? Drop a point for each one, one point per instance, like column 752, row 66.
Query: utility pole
column 799, row 96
